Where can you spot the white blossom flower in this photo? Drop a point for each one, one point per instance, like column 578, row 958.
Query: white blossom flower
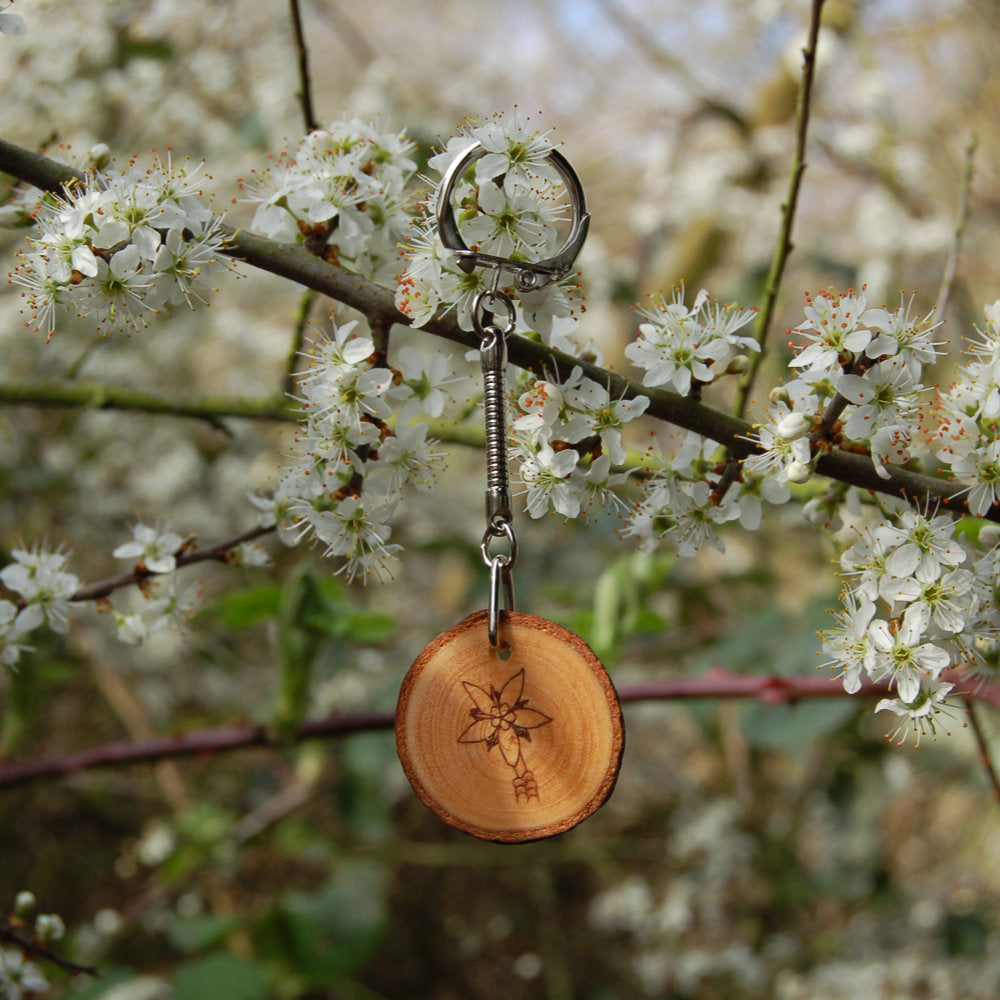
column 119, row 245
column 130, row 628
column 40, row 577
column 848, row 642
column 674, row 346
column 12, row 627
column 898, row 335
column 982, row 467
column 885, row 396
column 19, row 978
column 546, row 476
column 155, row 547
column 833, row 332
column 411, row 457
column 919, row 713
column 514, row 150
column 596, row 414
column 358, row 532
column 902, row 657
column 425, row 383
column 919, row 546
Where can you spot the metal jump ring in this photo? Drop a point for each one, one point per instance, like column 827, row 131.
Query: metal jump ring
column 482, row 306
column 499, row 528
column 528, row 276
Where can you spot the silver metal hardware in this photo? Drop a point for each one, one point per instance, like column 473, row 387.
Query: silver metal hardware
column 528, row 275
column 494, row 318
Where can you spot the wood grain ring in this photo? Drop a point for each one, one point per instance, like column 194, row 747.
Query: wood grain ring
column 512, row 749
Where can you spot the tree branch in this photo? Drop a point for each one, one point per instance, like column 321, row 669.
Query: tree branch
column 983, row 747
column 788, row 208
column 715, row 684
column 296, row 263
column 305, row 87
column 100, row 397
column 218, row 552
column 42, row 953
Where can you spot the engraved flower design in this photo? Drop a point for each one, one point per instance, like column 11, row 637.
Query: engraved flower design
column 502, row 719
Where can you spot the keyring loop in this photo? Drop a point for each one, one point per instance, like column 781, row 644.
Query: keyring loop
column 499, row 574
column 482, row 306
column 528, row 276
column 499, row 527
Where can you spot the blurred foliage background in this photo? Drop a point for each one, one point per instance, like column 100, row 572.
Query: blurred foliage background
column 749, row 851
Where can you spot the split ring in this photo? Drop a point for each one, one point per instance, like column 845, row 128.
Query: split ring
column 528, row 275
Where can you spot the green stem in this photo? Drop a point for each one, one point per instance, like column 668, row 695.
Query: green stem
column 298, row 338
column 784, row 248
column 100, row 397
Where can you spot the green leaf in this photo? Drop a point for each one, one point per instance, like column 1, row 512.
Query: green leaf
column 792, row 728
column 220, row 977
column 330, row 933
column 244, row 608
column 198, row 933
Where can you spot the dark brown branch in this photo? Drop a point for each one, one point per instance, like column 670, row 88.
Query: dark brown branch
column 984, row 749
column 305, row 86
column 218, row 552
column 296, row 263
column 41, row 953
column 715, row 684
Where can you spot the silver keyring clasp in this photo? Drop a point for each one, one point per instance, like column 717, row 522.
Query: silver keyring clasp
column 528, row 275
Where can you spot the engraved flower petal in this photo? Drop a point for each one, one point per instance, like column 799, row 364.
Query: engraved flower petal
column 512, row 690
column 528, row 719
column 480, row 698
column 478, row 731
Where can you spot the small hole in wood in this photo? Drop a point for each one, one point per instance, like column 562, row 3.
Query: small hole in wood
column 504, row 652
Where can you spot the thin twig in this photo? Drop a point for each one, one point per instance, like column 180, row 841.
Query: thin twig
column 298, row 339
column 984, row 750
column 716, row 684
column 788, row 208
column 961, row 218
column 41, row 953
column 218, row 552
column 90, row 396
column 305, row 87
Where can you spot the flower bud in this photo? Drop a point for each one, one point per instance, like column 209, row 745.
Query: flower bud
column 797, row 472
column 989, row 535
column 49, row 927
column 24, row 903
column 794, row 426
column 99, row 155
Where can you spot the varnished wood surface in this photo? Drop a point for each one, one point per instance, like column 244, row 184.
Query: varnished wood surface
column 510, row 749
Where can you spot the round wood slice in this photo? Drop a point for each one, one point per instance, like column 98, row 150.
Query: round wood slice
column 510, row 746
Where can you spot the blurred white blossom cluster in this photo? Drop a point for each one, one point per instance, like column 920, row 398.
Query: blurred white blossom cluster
column 343, row 188
column 348, row 469
column 19, row 976
column 44, row 590
column 119, row 246
column 510, row 203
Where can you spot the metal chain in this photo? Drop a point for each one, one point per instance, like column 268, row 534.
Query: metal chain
column 486, row 308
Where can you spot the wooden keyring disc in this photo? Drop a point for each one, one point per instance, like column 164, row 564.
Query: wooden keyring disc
column 510, row 749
